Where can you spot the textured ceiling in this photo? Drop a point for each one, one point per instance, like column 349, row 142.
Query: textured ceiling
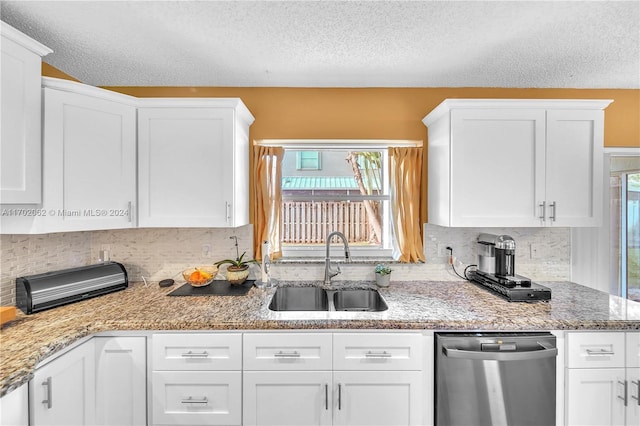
column 555, row 44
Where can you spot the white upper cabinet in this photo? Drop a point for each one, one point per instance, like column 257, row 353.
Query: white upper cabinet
column 515, row 163
column 20, row 147
column 89, row 178
column 193, row 163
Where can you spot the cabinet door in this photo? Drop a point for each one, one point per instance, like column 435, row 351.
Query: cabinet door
column 121, row 381
column 633, row 349
column 595, row 397
column 282, row 398
column 197, row 397
column 62, row 392
column 574, row 156
column 378, row 398
column 186, row 166
column 89, row 162
column 20, row 114
column 14, row 407
column 633, row 395
column 497, row 167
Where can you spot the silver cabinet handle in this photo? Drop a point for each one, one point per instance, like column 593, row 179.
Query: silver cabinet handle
column 292, row 354
column 129, row 212
column 543, row 205
column 599, row 352
column 623, row 398
column 637, row 398
column 552, row 216
column 326, row 396
column 49, row 400
column 227, row 207
column 191, row 354
column 339, row 396
column 192, row 400
column 383, row 354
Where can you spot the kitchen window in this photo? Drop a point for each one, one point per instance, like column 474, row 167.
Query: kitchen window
column 368, row 190
column 350, row 194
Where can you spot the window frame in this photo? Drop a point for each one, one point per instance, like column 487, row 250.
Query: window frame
column 319, row 252
column 385, row 249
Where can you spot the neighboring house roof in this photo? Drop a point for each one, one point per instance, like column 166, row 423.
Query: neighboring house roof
column 318, row 182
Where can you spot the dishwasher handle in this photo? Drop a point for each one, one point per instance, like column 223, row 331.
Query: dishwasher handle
column 547, row 352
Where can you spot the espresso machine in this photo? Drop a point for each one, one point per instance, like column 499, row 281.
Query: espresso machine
column 496, row 270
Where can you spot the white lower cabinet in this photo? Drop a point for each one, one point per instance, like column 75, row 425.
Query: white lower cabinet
column 382, row 398
column 197, row 397
column 196, row 379
column 295, row 398
column 603, row 379
column 333, row 379
column 62, row 392
column 14, row 407
column 592, row 397
column 121, row 381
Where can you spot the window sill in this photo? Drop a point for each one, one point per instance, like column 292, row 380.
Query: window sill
column 320, row 261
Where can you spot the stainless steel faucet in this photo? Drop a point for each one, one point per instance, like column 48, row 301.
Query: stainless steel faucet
column 328, row 271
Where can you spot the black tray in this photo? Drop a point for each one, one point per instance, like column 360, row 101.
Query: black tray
column 216, row 288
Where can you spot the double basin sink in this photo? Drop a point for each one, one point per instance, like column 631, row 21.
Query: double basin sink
column 319, row 299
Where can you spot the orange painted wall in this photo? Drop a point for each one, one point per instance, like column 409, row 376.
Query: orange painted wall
column 386, row 113
column 51, row 71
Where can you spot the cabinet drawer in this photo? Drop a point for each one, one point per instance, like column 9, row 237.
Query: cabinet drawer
column 595, row 350
column 287, row 351
column 377, row 351
column 633, row 349
column 197, row 397
column 195, row 351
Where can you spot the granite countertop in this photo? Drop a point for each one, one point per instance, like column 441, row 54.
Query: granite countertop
column 424, row 305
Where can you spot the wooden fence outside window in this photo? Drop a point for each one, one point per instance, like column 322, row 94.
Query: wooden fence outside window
column 309, row 222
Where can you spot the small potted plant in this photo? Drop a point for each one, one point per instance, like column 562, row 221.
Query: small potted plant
column 238, row 269
column 383, row 275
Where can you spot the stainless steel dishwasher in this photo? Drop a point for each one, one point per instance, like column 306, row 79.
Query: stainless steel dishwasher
column 495, row 379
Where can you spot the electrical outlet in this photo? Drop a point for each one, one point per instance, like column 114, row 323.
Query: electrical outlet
column 206, row 250
column 534, row 251
column 442, row 249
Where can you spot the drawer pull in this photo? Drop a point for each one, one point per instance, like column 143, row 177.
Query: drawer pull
column 281, row 354
column 637, row 398
column 600, row 352
column 192, row 400
column 383, row 354
column 191, row 354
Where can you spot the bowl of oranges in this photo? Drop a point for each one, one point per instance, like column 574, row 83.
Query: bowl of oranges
column 200, row 276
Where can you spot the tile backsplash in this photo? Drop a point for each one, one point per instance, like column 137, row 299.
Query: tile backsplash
column 157, row 253
column 22, row 255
